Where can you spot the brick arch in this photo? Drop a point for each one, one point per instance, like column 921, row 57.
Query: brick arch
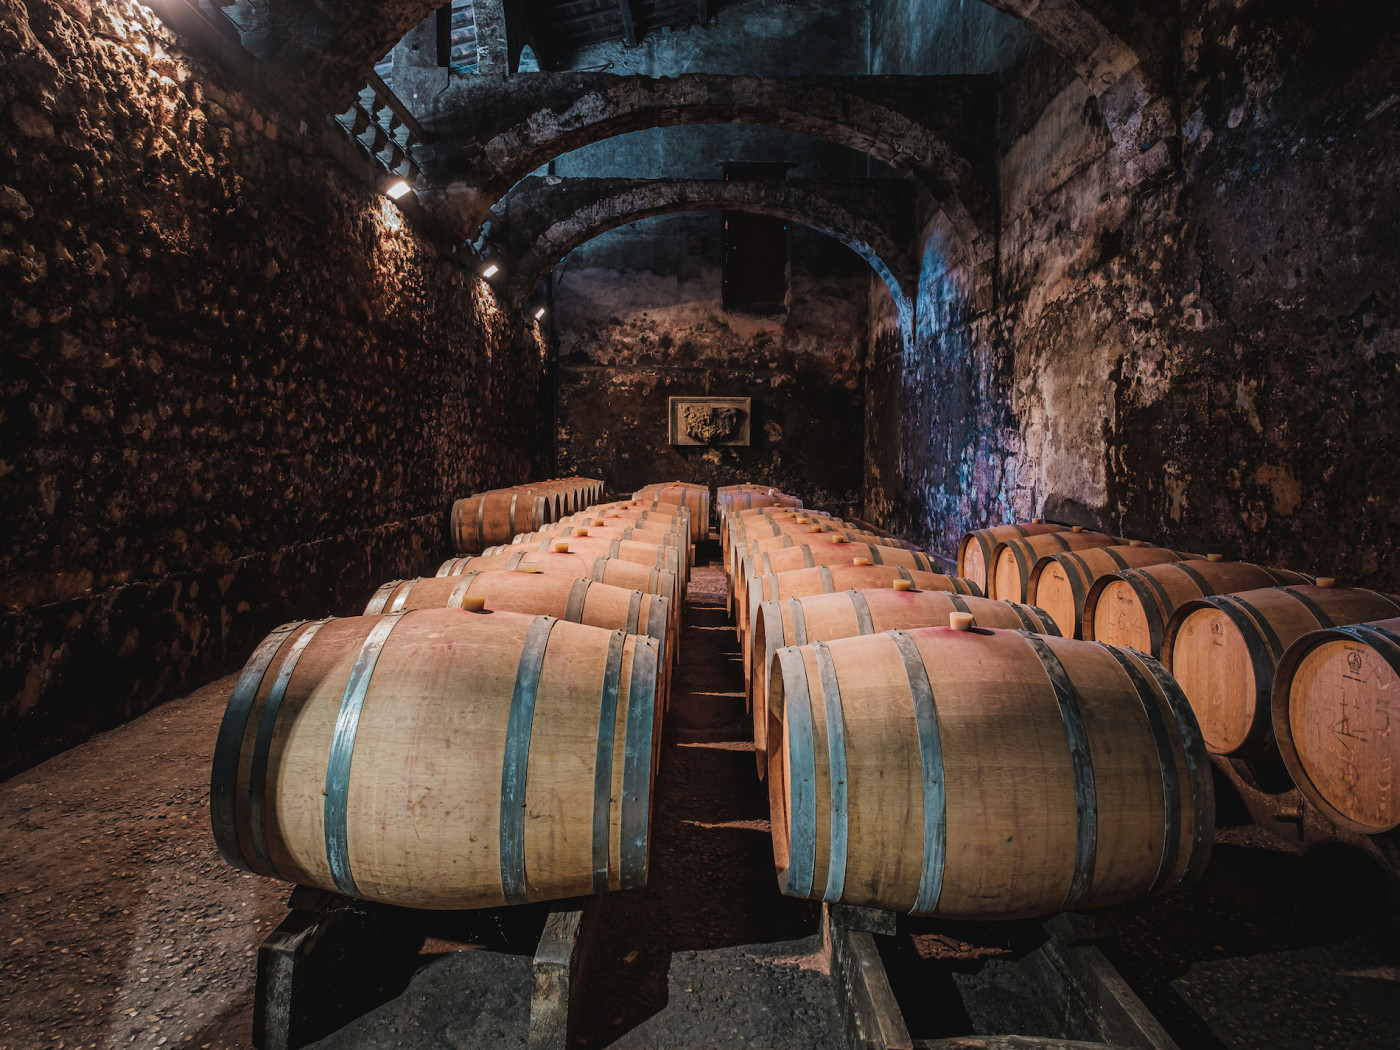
column 545, row 219
column 491, row 132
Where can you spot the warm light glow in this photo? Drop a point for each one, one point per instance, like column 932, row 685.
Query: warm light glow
column 398, row 189
column 539, row 313
column 490, row 270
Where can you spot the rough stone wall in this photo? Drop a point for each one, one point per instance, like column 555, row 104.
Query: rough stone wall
column 1207, row 361
column 640, row 320
column 237, row 389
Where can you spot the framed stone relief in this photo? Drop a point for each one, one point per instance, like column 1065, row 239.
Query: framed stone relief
column 710, row 420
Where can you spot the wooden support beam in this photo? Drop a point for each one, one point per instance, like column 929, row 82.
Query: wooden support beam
column 629, row 28
column 1094, row 1001
column 559, row 962
column 863, row 994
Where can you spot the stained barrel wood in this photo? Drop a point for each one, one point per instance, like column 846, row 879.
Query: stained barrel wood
column 1060, row 583
column 845, row 614
column 1060, row 775
column 1012, row 560
column 1335, row 713
column 440, row 758
column 1132, row 606
column 975, row 549
column 1224, row 649
column 577, row 599
column 486, row 518
column 612, row 571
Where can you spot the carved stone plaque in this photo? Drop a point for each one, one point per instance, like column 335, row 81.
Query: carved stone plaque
column 710, row 420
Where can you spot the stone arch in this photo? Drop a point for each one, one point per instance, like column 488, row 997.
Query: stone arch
column 545, row 219
column 492, row 132
column 1129, row 81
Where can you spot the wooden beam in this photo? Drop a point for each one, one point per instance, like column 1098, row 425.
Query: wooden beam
column 863, row 994
column 629, row 28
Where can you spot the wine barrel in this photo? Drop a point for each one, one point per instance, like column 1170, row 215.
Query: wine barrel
column 657, row 534
column 666, row 559
column 577, row 600
column 1334, row 714
column 612, row 571
column 1059, row 775
column 845, row 614
column 694, row 497
column 975, row 549
column 1059, row 583
column 808, row 536
column 482, row 746
column 1132, row 606
column 494, row 517
column 835, row 550
column 1223, row 651
column 1012, row 560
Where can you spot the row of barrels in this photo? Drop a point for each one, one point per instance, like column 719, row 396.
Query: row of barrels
column 494, row 516
column 694, row 497
column 485, row 736
column 1264, row 656
column 933, row 751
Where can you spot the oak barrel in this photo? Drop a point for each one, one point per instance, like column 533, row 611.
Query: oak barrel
column 612, row 571
column 1335, row 713
column 1132, row 606
column 694, row 497
column 845, row 614
column 831, row 551
column 975, row 548
column 1060, row 775
column 1060, row 583
column 494, row 517
column 1012, row 560
column 655, row 555
column 440, row 758
column 1223, row 651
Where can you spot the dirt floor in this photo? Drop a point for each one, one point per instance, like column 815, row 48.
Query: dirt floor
column 124, row 928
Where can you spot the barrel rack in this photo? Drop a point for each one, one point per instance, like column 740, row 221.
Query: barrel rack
column 329, row 945
column 327, row 940
column 1097, row 1009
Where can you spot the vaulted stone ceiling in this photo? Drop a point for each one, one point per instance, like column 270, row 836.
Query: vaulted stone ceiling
column 466, row 140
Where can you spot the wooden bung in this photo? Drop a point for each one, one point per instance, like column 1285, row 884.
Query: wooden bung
column 860, row 561
column 960, row 621
column 1063, row 775
column 474, row 603
column 903, row 585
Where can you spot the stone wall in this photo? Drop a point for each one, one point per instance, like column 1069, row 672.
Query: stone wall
column 237, row 387
column 1206, row 360
column 640, row 320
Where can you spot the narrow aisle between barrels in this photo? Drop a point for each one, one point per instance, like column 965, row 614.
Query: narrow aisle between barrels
column 710, row 953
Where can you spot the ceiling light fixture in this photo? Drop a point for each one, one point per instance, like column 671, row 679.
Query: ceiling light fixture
column 490, row 271
column 539, row 313
column 398, row 190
